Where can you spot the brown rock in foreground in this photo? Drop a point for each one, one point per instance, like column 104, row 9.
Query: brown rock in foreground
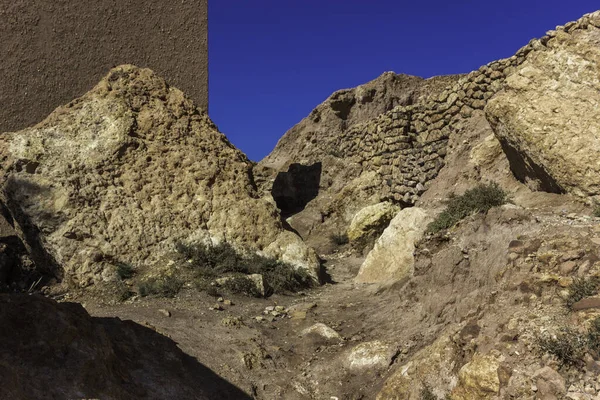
column 125, row 172
column 52, row 350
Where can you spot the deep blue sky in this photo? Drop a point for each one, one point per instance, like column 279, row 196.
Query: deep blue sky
column 272, row 61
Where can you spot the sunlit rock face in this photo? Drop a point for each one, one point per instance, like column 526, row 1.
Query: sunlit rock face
column 129, row 169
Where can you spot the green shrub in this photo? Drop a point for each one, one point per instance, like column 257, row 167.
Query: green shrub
column 568, row 346
column 581, row 288
column 125, row 271
column 212, row 291
column 241, row 284
column 123, row 293
column 339, row 239
column 596, row 211
column 165, row 286
column 210, row 262
column 479, row 199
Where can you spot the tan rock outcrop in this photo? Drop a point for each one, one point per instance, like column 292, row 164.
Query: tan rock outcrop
column 478, row 379
column 392, row 259
column 371, row 221
column 374, row 355
column 547, row 118
column 129, row 169
column 342, row 144
column 432, row 366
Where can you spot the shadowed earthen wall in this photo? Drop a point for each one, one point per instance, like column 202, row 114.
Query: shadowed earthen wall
column 56, row 50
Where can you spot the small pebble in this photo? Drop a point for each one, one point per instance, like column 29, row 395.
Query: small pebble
column 164, row 312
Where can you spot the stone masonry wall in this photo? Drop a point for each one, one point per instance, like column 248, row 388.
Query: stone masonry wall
column 407, row 145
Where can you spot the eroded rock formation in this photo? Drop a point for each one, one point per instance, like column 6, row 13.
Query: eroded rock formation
column 129, row 169
column 546, row 117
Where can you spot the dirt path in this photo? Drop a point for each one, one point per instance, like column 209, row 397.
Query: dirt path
column 266, row 356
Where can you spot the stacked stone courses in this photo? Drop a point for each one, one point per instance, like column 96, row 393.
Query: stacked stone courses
column 407, row 145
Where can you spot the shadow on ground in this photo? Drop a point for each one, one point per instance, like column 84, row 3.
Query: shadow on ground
column 56, row 350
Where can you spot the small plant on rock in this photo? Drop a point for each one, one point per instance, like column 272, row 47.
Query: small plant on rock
column 477, row 200
column 580, row 289
column 568, row 346
column 339, row 239
column 211, row 262
column 241, row 284
column 124, row 270
column 593, row 338
column 165, row 286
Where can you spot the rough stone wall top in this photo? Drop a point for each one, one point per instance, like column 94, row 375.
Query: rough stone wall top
column 341, row 110
column 56, row 50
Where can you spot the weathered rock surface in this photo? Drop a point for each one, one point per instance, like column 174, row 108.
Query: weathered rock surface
column 375, row 355
column 52, row 350
column 129, row 169
column 371, row 221
column 395, row 155
column 546, row 117
column 550, row 384
column 478, row 379
column 323, row 331
column 431, row 366
column 392, row 259
column 345, row 108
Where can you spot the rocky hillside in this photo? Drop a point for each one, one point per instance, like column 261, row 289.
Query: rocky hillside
column 124, row 173
column 472, row 270
column 312, row 158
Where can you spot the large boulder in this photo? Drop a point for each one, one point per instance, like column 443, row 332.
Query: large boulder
column 371, row 221
column 479, row 378
column 432, row 367
column 125, row 172
column 547, row 115
column 392, row 259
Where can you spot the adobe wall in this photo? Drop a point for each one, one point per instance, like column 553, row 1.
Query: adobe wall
column 56, row 50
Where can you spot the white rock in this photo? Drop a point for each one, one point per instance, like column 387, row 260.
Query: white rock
column 370, row 355
column 392, row 258
column 323, row 331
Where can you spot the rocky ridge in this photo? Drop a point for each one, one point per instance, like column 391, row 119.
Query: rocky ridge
column 125, row 172
column 460, row 314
